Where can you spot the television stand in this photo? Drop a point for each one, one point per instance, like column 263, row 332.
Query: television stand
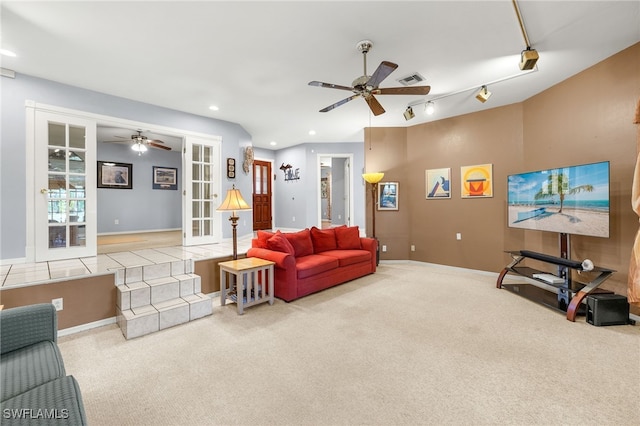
column 569, row 295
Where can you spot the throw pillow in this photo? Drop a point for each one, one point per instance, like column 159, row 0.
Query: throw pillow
column 262, row 238
column 323, row 239
column 301, row 242
column 348, row 237
column 279, row 243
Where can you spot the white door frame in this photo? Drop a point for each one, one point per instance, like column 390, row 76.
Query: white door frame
column 102, row 120
column 349, row 204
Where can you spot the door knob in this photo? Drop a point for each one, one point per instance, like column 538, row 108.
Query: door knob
column 44, row 191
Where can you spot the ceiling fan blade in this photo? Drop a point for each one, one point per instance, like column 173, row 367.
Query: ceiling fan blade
column 420, row 90
column 123, row 141
column 157, row 145
column 374, row 105
column 329, row 85
column 337, row 104
column 384, row 69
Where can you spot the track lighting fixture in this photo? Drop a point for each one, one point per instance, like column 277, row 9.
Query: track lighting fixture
column 409, row 114
column 528, row 57
column 429, row 108
column 483, row 94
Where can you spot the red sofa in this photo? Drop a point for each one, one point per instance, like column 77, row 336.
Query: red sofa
column 313, row 259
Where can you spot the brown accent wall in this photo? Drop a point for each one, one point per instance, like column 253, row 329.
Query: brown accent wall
column 85, row 300
column 209, row 274
column 586, row 118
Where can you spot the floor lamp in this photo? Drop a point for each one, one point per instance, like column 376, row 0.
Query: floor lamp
column 234, row 202
column 373, row 179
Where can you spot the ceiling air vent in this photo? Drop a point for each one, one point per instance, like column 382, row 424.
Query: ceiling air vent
column 411, row 79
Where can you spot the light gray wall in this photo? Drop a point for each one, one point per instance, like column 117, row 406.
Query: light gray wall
column 338, row 208
column 14, row 93
column 300, row 198
column 141, row 208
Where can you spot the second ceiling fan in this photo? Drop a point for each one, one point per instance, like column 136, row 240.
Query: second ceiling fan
column 367, row 86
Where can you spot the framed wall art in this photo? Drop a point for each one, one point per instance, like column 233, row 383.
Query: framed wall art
column 231, row 168
column 165, row 178
column 438, row 183
column 388, row 196
column 476, row 181
column 115, row 175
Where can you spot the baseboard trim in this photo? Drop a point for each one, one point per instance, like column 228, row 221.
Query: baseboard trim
column 85, row 327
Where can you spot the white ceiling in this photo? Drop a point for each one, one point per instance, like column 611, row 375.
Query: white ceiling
column 254, row 59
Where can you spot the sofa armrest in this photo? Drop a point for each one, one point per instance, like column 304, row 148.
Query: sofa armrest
column 27, row 325
column 282, row 260
column 371, row 245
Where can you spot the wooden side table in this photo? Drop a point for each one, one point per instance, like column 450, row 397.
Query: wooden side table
column 252, row 282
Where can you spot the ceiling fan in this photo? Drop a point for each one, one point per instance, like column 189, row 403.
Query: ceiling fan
column 367, row 86
column 140, row 142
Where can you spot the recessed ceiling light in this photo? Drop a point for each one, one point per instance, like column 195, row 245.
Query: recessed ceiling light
column 312, row 132
column 273, row 143
column 214, row 108
column 6, row 52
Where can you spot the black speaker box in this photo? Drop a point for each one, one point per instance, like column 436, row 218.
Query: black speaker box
column 607, row 309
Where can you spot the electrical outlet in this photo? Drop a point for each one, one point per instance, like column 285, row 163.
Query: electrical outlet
column 384, row 248
column 57, row 303
column 116, row 222
column 413, row 247
column 293, row 219
column 458, row 236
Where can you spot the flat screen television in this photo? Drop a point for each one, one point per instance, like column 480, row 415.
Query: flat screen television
column 570, row 200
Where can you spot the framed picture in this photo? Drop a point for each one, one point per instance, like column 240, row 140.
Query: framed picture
column 438, row 183
column 115, row 175
column 165, row 178
column 231, row 168
column 388, row 196
column 476, row 181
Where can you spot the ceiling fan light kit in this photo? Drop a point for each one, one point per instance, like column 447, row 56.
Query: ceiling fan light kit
column 141, row 143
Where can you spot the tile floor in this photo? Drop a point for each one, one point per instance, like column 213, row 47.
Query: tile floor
column 25, row 274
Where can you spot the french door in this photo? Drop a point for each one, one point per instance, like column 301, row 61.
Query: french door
column 201, row 191
column 64, row 186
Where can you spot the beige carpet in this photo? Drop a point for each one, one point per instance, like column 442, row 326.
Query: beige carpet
column 412, row 344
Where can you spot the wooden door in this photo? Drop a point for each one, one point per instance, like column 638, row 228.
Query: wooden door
column 261, row 195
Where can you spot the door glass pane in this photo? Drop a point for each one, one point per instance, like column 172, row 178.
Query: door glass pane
column 195, row 228
column 257, row 187
column 76, row 211
column 57, row 211
column 57, row 160
column 207, row 172
column 196, row 172
column 76, row 137
column 195, row 205
column 57, row 236
column 207, row 209
column 57, row 134
column 208, row 152
column 207, row 227
column 77, row 186
column 57, row 185
column 196, row 155
column 195, row 189
column 77, row 236
column 76, row 162
column 265, row 180
column 207, row 191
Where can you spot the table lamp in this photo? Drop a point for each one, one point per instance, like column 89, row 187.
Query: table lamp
column 234, row 202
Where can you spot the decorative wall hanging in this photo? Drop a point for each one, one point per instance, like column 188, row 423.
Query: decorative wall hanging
column 388, row 195
column 289, row 172
column 115, row 175
column 248, row 159
column 165, row 178
column 438, row 183
column 231, row 168
column 477, row 181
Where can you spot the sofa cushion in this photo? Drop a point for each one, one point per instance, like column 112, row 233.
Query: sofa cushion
column 61, row 397
column 347, row 237
column 28, row 367
column 279, row 243
column 323, row 239
column 314, row 264
column 301, row 242
column 262, row 237
column 348, row 257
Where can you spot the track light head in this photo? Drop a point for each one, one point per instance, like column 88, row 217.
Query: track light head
column 483, row 94
column 429, row 108
column 528, row 59
column 409, row 114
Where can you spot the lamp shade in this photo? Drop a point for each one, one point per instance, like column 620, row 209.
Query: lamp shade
column 233, row 201
column 373, row 177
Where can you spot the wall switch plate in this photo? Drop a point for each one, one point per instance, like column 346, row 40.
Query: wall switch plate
column 384, row 248
column 413, row 247
column 116, row 222
column 57, row 303
column 458, row 236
